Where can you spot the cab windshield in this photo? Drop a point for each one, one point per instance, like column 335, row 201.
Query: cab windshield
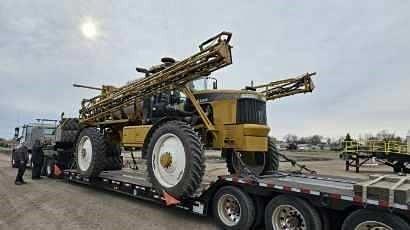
column 49, row 131
column 204, row 84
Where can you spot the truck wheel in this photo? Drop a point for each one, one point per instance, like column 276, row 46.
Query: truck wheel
column 90, row 152
column 175, row 159
column 272, row 158
column 364, row 219
column 287, row 212
column 233, row 209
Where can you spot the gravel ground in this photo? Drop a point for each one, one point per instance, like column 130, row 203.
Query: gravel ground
column 53, row 204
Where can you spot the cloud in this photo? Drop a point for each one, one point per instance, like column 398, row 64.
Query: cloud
column 359, row 49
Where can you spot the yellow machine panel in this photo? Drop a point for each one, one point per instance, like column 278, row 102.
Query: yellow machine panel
column 134, row 136
column 246, row 137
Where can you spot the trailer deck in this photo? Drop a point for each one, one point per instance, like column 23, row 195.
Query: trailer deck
column 330, row 190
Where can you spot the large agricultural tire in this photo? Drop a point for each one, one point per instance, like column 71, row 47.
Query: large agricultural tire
column 113, row 159
column 69, row 136
column 228, row 154
column 90, row 152
column 175, row 159
column 287, row 212
column 71, row 124
column 271, row 159
column 233, row 209
column 373, row 219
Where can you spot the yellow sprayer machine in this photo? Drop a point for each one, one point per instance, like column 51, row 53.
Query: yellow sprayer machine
column 171, row 120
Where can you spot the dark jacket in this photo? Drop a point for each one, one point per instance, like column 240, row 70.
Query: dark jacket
column 38, row 154
column 21, row 154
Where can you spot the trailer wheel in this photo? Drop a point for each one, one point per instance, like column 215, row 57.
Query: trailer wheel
column 287, row 212
column 175, row 160
column 90, row 152
column 260, row 205
column 233, row 209
column 364, row 219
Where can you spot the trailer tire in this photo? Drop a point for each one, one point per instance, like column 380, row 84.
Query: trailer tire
column 230, row 196
column 90, row 152
column 162, row 169
column 365, row 217
column 260, row 205
column 300, row 212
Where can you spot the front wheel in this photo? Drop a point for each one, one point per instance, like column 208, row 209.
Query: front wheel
column 90, row 152
column 175, row 159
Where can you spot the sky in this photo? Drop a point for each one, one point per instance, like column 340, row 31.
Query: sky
column 360, row 50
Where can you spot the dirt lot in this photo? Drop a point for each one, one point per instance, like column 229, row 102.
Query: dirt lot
column 53, row 204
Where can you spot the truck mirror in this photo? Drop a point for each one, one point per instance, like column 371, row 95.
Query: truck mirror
column 215, row 84
column 16, row 132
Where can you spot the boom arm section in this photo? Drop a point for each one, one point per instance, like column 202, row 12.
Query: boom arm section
column 283, row 88
column 214, row 54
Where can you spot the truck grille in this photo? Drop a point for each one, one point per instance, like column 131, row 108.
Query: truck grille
column 251, row 111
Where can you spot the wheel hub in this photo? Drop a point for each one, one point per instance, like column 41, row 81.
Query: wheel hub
column 373, row 225
column 166, row 160
column 84, row 153
column 286, row 217
column 229, row 210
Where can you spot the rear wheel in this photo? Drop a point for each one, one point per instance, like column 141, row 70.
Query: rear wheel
column 90, row 152
column 286, row 212
column 233, row 209
column 364, row 219
column 175, row 160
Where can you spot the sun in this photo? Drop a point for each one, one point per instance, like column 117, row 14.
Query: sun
column 89, row 29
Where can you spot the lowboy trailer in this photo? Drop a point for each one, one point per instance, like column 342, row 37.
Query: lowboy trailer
column 281, row 200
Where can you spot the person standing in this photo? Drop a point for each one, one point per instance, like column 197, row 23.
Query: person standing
column 37, row 159
column 21, row 160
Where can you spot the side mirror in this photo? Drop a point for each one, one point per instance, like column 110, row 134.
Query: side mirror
column 215, row 84
column 16, row 132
